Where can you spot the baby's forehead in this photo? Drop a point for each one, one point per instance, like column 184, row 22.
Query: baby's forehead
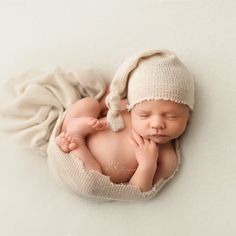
column 167, row 105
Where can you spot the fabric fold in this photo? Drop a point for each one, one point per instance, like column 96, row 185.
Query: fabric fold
column 35, row 100
column 69, row 171
column 34, row 112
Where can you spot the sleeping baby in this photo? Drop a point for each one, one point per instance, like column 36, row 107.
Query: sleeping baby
column 129, row 134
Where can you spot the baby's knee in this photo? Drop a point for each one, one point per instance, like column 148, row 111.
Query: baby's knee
column 92, row 106
column 87, row 106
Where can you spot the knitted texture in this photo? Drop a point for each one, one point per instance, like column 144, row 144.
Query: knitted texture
column 35, row 114
column 69, row 170
column 155, row 74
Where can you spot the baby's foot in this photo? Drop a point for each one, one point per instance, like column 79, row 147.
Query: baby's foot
column 66, row 142
column 82, row 126
column 97, row 124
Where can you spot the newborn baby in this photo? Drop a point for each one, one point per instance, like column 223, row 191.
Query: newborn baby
column 134, row 142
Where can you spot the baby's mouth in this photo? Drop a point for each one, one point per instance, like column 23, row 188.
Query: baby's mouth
column 158, row 136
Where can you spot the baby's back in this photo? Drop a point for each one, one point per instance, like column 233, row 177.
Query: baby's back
column 113, row 152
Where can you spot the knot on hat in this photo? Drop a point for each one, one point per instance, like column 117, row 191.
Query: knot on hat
column 113, row 115
column 113, row 103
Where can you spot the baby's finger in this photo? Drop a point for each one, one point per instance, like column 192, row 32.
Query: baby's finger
column 146, row 141
column 154, row 143
column 137, row 138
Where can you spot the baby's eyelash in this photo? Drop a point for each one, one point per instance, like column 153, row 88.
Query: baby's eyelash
column 171, row 117
column 143, row 115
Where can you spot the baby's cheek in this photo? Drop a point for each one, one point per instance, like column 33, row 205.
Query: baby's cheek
column 179, row 128
column 139, row 129
column 140, row 126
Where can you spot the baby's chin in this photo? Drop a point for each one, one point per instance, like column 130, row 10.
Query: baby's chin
column 160, row 140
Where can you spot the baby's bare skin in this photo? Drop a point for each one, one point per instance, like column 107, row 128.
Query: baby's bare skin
column 114, row 154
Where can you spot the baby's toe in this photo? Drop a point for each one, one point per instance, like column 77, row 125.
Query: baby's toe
column 102, row 125
column 73, row 146
column 65, row 148
column 61, row 142
column 93, row 121
column 99, row 126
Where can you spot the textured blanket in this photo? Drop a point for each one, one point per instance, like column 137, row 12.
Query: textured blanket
column 35, row 99
column 34, row 110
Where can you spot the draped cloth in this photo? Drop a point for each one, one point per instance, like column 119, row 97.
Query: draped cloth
column 33, row 111
column 35, row 100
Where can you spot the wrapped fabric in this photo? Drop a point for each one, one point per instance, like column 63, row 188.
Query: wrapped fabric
column 34, row 114
column 35, row 100
column 69, row 170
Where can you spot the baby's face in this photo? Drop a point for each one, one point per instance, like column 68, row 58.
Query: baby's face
column 159, row 120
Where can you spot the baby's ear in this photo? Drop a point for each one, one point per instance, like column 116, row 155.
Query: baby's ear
column 123, row 104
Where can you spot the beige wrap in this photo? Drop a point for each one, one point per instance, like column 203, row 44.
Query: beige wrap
column 34, row 114
column 69, row 170
column 33, row 101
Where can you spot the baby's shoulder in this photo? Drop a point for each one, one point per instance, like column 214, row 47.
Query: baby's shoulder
column 168, row 150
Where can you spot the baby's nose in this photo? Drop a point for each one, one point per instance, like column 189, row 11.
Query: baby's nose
column 157, row 123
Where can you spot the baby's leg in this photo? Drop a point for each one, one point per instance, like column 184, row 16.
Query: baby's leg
column 81, row 120
column 86, row 107
column 77, row 129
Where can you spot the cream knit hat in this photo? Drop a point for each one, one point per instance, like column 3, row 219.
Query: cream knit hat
column 149, row 75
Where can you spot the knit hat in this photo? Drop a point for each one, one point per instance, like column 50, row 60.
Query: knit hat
column 149, row 75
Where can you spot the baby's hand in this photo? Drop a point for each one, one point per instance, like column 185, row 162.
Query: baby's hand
column 146, row 151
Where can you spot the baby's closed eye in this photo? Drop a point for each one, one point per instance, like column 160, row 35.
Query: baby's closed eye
column 143, row 114
column 172, row 115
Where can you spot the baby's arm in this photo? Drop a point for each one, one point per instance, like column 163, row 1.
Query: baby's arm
column 147, row 153
column 143, row 178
